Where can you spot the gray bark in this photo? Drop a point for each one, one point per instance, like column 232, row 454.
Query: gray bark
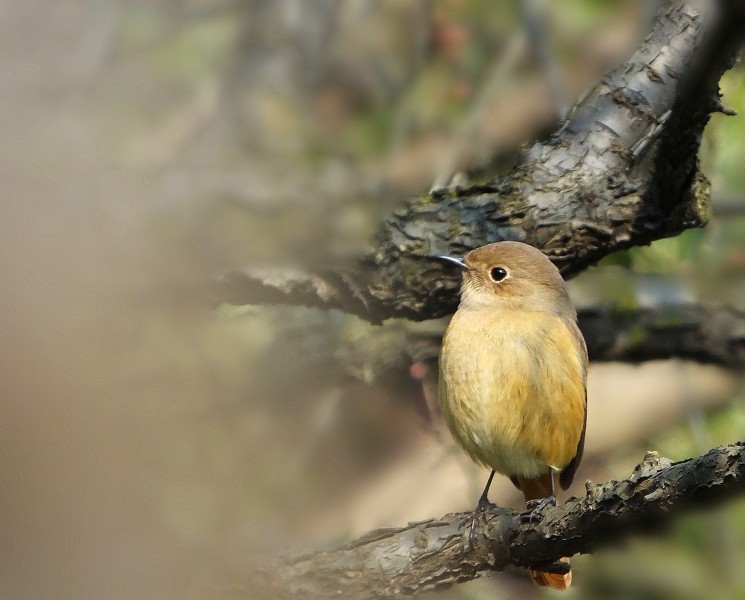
column 593, row 188
column 433, row 554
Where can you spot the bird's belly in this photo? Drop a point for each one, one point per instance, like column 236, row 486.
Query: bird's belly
column 491, row 434
column 517, row 404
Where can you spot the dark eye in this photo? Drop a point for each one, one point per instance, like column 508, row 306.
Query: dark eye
column 497, row 274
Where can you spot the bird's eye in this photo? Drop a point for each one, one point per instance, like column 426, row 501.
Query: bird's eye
column 498, row 274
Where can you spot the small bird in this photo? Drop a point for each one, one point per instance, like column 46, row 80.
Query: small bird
column 513, row 371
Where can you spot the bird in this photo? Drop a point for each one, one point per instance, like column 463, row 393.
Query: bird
column 513, row 378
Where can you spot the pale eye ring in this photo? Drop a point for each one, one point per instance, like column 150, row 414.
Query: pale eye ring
column 498, row 274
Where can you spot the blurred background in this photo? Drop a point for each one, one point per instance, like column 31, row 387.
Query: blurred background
column 153, row 447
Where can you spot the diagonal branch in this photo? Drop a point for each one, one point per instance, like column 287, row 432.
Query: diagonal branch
column 431, row 554
column 581, row 195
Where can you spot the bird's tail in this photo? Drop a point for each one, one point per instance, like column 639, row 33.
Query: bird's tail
column 536, row 489
column 555, row 581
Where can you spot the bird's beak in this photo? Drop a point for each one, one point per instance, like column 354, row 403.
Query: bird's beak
column 454, row 261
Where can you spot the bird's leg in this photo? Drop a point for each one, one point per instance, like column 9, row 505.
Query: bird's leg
column 484, row 503
column 535, row 508
column 481, row 507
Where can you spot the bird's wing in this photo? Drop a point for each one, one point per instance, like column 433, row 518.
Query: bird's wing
column 567, row 475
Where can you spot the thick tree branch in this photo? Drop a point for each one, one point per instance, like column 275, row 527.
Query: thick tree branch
column 433, row 554
column 583, row 194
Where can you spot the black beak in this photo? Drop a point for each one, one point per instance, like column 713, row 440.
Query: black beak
column 454, row 261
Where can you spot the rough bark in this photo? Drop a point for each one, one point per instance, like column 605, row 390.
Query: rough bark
column 593, row 188
column 433, row 554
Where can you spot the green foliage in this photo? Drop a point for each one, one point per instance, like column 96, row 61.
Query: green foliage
column 725, row 150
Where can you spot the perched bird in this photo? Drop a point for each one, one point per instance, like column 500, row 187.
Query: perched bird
column 513, row 371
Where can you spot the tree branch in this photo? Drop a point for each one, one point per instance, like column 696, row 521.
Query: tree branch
column 707, row 334
column 433, row 554
column 583, row 194
column 703, row 333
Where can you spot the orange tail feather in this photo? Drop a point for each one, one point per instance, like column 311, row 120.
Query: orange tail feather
column 534, row 489
column 552, row 580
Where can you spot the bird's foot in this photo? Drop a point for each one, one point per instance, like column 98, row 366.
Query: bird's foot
column 472, row 519
column 535, row 508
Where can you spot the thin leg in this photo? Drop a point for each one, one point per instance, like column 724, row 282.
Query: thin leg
column 481, row 507
column 484, row 499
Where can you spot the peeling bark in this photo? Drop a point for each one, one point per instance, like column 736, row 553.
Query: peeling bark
column 586, row 192
column 433, row 554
